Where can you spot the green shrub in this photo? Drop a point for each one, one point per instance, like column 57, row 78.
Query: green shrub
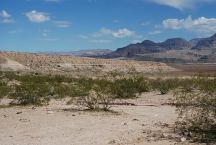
column 4, row 90
column 197, row 112
column 99, row 98
column 128, row 88
column 31, row 94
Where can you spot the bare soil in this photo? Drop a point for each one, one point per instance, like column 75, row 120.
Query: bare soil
column 149, row 122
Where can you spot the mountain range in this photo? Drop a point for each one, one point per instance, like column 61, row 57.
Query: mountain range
column 171, row 50
column 84, row 53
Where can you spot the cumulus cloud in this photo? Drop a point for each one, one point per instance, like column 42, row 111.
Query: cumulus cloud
column 37, row 17
column 5, row 14
column 5, row 17
column 181, row 4
column 62, row 24
column 199, row 25
column 121, row 33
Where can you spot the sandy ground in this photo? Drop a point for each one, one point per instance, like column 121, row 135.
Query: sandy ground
column 147, row 123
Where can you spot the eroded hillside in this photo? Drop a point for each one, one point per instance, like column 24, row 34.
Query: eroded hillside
column 72, row 64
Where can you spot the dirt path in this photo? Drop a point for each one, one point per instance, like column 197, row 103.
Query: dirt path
column 132, row 125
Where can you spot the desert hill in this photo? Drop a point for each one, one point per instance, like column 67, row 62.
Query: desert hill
column 73, row 64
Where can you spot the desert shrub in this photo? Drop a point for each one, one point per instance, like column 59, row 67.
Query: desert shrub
column 166, row 85
column 163, row 86
column 4, row 90
column 206, row 84
column 197, row 111
column 99, row 97
column 31, row 94
column 128, row 88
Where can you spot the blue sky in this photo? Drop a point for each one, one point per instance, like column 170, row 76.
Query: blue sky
column 68, row 25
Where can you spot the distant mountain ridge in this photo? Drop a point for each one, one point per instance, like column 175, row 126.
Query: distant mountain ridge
column 206, row 43
column 149, row 46
column 171, row 50
column 84, row 53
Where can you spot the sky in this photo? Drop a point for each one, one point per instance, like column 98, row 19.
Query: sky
column 71, row 25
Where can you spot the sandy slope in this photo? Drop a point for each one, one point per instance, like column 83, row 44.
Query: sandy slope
column 71, row 64
column 143, row 124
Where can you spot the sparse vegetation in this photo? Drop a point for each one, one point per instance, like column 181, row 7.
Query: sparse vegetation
column 196, row 106
column 195, row 98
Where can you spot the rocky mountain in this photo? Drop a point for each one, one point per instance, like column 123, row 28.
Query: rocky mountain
column 195, row 41
column 176, row 44
column 148, row 46
column 206, row 44
column 171, row 50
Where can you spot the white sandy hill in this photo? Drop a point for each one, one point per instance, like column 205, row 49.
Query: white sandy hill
column 70, row 64
column 11, row 65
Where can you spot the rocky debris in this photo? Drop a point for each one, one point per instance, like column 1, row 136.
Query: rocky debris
column 20, row 112
column 24, row 120
column 112, row 142
column 161, row 135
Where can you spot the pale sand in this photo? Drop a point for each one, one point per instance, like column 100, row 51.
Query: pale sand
column 73, row 127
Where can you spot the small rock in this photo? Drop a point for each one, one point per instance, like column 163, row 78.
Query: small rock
column 73, row 115
column 165, row 135
column 33, row 108
column 147, row 131
column 183, row 139
column 151, row 139
column 5, row 116
column 50, row 112
column 19, row 112
column 112, row 142
column 124, row 123
column 24, row 120
column 135, row 120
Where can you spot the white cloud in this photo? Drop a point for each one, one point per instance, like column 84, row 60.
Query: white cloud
column 15, row 31
column 7, row 21
column 199, row 25
column 155, row 32
column 83, row 36
column 5, row 14
column 121, row 33
column 136, row 41
column 145, row 23
column 44, row 34
column 5, row 17
column 37, row 17
column 116, row 21
column 100, row 41
column 62, row 24
column 53, row 1
column 181, row 4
